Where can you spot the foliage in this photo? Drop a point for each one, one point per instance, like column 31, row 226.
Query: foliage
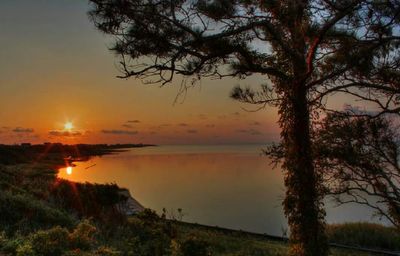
column 58, row 241
column 83, row 235
column 193, row 246
column 52, row 242
column 89, row 200
column 359, row 159
column 23, row 213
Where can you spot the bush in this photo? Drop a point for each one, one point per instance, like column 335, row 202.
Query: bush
column 89, row 200
column 25, row 250
column 194, row 246
column 52, row 242
column 57, row 241
column 106, row 251
column 83, row 236
column 25, row 213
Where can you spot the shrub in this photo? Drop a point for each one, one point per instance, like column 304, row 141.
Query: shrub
column 9, row 246
column 52, row 242
column 106, row 251
column 25, row 213
column 194, row 246
column 89, row 200
column 57, row 241
column 83, row 236
column 25, row 250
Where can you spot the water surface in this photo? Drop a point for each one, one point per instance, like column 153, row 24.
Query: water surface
column 228, row 186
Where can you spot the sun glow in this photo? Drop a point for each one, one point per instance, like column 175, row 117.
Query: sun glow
column 68, row 126
column 69, row 170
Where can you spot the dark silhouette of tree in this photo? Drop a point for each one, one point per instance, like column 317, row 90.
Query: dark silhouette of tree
column 359, row 159
column 307, row 50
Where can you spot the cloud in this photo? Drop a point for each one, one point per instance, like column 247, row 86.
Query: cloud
column 255, row 123
column 23, row 130
column 210, row 125
column 202, row 116
column 183, row 125
column 236, row 114
column 62, row 133
column 249, row 131
column 127, row 126
column 119, row 132
column 133, row 121
column 191, row 131
column 4, row 129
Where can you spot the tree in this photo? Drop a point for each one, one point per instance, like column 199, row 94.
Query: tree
column 307, row 50
column 359, row 159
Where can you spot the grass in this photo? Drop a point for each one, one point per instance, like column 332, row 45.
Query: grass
column 237, row 243
column 367, row 235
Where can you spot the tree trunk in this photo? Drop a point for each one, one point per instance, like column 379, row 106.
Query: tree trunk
column 302, row 204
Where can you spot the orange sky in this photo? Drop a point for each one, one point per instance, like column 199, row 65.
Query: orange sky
column 55, row 67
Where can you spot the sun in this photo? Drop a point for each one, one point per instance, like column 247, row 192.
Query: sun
column 68, row 126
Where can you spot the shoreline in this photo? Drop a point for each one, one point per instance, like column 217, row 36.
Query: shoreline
column 59, row 155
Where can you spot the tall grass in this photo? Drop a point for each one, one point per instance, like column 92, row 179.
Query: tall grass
column 364, row 234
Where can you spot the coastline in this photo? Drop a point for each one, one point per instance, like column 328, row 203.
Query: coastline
column 50, row 157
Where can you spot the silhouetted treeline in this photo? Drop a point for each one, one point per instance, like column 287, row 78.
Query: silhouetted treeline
column 57, row 152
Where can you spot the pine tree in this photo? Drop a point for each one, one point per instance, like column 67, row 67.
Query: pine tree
column 307, row 50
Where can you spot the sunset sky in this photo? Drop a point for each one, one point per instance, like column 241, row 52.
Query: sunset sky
column 55, row 67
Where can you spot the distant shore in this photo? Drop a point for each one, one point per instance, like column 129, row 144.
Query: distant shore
column 57, row 154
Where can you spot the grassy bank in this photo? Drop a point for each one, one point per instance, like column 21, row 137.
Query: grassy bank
column 368, row 235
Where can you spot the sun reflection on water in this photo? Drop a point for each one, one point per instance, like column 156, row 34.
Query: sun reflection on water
column 69, row 170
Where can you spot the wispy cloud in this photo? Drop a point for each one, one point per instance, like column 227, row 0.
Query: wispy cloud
column 4, row 129
column 23, row 130
column 183, row 125
column 249, row 131
column 62, row 133
column 210, row 125
column 133, row 121
column 191, row 131
column 255, row 123
column 119, row 132
column 202, row 116
column 127, row 126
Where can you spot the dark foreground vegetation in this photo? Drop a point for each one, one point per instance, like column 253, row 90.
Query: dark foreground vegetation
column 47, row 216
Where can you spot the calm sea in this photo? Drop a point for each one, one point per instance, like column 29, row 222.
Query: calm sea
column 228, row 186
